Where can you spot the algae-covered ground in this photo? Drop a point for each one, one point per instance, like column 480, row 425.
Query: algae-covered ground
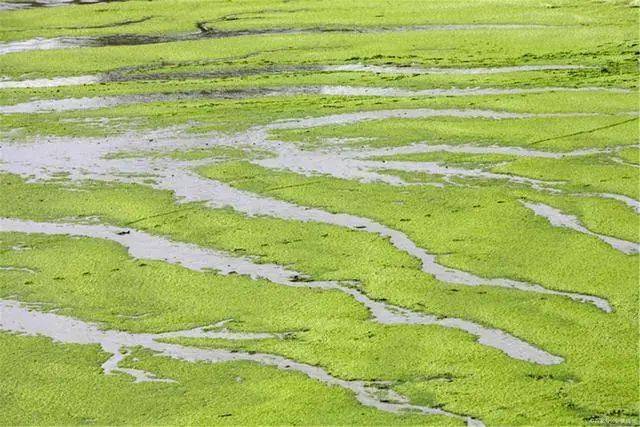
column 319, row 213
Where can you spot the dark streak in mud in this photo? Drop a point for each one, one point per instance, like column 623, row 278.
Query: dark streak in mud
column 582, row 132
column 56, row 3
column 213, row 33
column 109, row 25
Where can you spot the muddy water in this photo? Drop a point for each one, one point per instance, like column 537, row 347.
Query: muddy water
column 145, row 246
column 16, row 318
column 559, row 219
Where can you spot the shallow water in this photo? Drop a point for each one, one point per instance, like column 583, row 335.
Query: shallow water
column 390, row 69
column 51, row 82
column 90, row 103
column 558, row 218
column 145, row 246
column 86, row 160
column 419, row 148
column 143, row 39
column 16, row 318
column 42, row 44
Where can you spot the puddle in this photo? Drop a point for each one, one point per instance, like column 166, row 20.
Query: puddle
column 18, row 319
column 417, row 113
column 145, row 246
column 336, row 165
column 20, row 269
column 12, row 6
column 52, row 82
column 389, row 69
column 632, row 203
column 559, row 219
column 42, row 44
column 399, row 92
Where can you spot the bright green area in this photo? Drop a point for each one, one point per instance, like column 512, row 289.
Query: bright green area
column 479, row 226
column 584, row 174
column 567, row 78
column 528, row 315
column 547, row 134
column 165, row 17
column 598, row 47
column 630, row 154
column 47, row 383
column 236, row 115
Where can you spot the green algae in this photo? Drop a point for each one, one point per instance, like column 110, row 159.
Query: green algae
column 551, row 134
column 475, row 225
column 411, row 289
column 49, row 383
column 237, row 115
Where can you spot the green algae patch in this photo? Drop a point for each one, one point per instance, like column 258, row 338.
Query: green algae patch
column 58, row 378
column 567, row 74
column 585, row 174
column 234, row 115
column 164, row 17
column 549, row 133
column 528, row 315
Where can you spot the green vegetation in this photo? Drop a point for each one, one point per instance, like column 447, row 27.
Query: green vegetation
column 215, row 62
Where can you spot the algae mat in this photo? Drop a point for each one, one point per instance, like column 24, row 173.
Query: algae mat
column 319, row 213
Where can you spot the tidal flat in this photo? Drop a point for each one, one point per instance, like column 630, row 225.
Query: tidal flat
column 294, row 212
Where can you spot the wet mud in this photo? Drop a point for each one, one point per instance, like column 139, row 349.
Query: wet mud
column 56, row 3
